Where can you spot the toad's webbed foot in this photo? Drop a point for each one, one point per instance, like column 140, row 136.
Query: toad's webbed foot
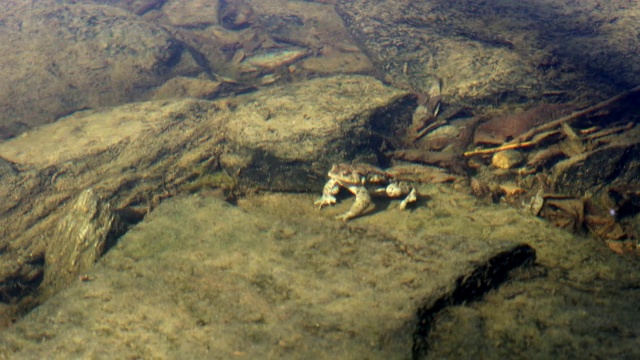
column 331, row 188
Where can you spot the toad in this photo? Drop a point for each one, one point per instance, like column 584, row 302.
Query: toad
column 363, row 180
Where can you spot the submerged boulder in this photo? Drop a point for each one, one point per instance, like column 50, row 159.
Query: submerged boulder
column 84, row 173
column 80, row 56
column 200, row 275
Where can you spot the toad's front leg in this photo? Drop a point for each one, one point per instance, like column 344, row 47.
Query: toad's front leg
column 362, row 202
column 331, row 188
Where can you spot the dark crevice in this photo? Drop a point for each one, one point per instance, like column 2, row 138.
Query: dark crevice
column 13, row 289
column 120, row 226
column 470, row 288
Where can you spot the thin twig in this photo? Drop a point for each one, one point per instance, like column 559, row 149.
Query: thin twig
column 573, row 116
column 607, row 132
column 535, row 141
column 429, row 128
column 523, row 141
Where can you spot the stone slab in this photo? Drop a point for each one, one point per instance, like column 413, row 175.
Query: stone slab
column 200, row 278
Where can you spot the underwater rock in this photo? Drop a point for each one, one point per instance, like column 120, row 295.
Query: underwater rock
column 308, row 285
column 236, row 14
column 615, row 164
column 79, row 240
column 510, row 52
column 133, row 156
column 81, row 56
column 302, row 129
column 191, row 14
column 185, row 87
column 506, row 159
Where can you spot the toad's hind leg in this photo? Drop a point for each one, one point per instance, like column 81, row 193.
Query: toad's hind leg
column 362, row 202
column 411, row 198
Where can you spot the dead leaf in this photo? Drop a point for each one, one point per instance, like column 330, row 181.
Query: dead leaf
column 501, row 129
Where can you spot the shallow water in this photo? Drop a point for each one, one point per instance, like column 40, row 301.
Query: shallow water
column 271, row 276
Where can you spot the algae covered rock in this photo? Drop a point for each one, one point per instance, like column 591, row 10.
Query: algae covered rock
column 81, row 56
column 76, row 178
